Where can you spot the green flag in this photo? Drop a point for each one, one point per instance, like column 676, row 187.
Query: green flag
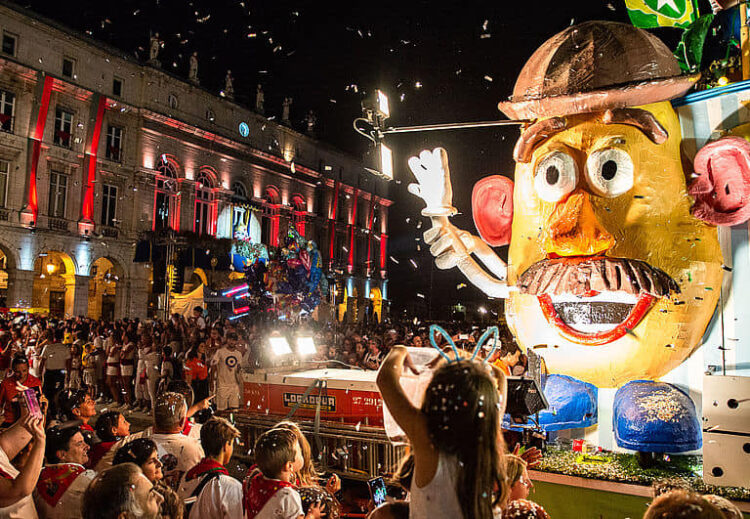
column 648, row 14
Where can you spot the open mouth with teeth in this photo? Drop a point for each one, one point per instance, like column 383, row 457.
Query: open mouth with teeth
column 595, row 300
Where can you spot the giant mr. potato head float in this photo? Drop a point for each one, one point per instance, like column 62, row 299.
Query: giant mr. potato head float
column 614, row 260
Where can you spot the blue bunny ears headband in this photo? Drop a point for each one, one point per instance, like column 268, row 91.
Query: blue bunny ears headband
column 492, row 330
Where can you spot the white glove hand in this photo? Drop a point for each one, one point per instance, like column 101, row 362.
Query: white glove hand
column 434, row 182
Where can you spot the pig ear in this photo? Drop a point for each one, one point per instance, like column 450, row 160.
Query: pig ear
column 492, row 208
column 722, row 188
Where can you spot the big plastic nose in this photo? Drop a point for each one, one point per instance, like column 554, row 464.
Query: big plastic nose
column 574, row 229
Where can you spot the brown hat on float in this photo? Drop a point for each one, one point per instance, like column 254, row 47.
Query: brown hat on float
column 594, row 66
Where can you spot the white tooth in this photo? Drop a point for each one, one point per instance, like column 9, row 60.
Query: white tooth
column 603, row 297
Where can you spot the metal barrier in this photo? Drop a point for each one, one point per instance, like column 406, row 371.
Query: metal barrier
column 356, row 452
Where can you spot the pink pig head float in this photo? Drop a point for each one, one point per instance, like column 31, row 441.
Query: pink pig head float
column 614, row 263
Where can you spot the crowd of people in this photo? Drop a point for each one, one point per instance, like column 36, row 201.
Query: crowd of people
column 65, row 459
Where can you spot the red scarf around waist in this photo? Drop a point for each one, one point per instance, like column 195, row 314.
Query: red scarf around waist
column 258, row 491
column 205, row 466
column 54, row 480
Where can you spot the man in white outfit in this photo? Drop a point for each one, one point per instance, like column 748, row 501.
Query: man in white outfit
column 226, row 371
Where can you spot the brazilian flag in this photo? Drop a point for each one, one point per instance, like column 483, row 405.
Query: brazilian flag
column 648, row 14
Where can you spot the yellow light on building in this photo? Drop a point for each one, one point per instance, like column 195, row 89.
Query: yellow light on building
column 51, row 268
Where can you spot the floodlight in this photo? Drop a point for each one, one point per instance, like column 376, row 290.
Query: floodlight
column 386, row 161
column 279, row 345
column 382, row 104
column 306, row 346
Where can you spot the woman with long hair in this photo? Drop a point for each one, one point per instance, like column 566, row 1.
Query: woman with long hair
column 455, row 436
column 143, row 452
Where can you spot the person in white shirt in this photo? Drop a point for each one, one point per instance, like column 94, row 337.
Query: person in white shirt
column 16, row 486
column 226, row 372
column 207, row 489
column 178, row 453
column 54, row 361
column 59, row 491
column 200, row 322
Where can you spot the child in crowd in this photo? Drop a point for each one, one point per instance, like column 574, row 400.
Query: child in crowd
column 269, row 492
column 455, row 436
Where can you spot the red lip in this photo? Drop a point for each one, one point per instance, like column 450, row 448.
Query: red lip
column 642, row 306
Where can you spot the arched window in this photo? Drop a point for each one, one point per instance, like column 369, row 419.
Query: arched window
column 239, row 190
column 204, row 203
column 270, row 228
column 299, row 209
column 166, row 204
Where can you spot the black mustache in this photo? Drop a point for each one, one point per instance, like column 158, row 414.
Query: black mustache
column 580, row 275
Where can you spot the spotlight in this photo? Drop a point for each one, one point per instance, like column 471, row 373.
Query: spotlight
column 306, row 346
column 279, row 345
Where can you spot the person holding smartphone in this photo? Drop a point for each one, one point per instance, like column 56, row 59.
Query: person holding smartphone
column 11, row 386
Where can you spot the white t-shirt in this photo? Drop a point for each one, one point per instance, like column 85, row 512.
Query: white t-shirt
column 226, row 362
column 178, row 454
column 221, row 498
column 285, row 504
column 56, row 356
column 22, row 509
column 70, row 505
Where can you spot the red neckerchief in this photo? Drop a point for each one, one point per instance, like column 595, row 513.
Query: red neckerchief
column 187, row 427
column 205, row 466
column 54, row 480
column 87, row 427
column 5, row 475
column 97, row 452
column 259, row 490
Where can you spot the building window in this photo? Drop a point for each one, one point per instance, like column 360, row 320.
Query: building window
column 7, row 110
column 109, row 205
column 58, row 193
column 166, row 213
column 63, row 128
column 298, row 214
column 114, row 143
column 117, row 87
column 4, row 171
column 239, row 190
column 68, row 67
column 204, row 205
column 9, row 44
column 172, row 101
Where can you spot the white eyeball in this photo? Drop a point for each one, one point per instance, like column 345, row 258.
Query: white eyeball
column 610, row 172
column 555, row 176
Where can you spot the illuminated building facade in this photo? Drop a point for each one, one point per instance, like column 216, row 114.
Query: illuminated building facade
column 99, row 152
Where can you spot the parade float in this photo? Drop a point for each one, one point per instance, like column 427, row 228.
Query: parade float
column 628, row 254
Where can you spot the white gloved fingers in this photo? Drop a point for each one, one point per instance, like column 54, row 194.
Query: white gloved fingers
column 447, row 260
column 442, row 157
column 432, row 234
column 417, row 168
column 415, row 190
column 443, row 243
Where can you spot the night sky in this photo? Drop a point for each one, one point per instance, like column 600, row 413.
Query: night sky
column 443, row 61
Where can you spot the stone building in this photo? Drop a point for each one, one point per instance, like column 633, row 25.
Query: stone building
column 97, row 149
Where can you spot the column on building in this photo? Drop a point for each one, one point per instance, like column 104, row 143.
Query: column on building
column 20, row 288
column 76, row 295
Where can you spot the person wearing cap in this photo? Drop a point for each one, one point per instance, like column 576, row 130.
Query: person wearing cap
column 77, row 404
column 9, row 389
column 63, row 481
column 54, row 363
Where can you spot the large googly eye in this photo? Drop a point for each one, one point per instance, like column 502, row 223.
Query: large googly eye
column 555, row 176
column 610, row 172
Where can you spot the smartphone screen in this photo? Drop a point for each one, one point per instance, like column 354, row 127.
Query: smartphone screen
column 377, row 490
column 32, row 402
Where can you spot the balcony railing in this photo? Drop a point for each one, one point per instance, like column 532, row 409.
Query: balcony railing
column 57, row 224
column 109, row 232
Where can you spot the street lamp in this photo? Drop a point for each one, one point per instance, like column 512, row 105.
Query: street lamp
column 51, row 268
